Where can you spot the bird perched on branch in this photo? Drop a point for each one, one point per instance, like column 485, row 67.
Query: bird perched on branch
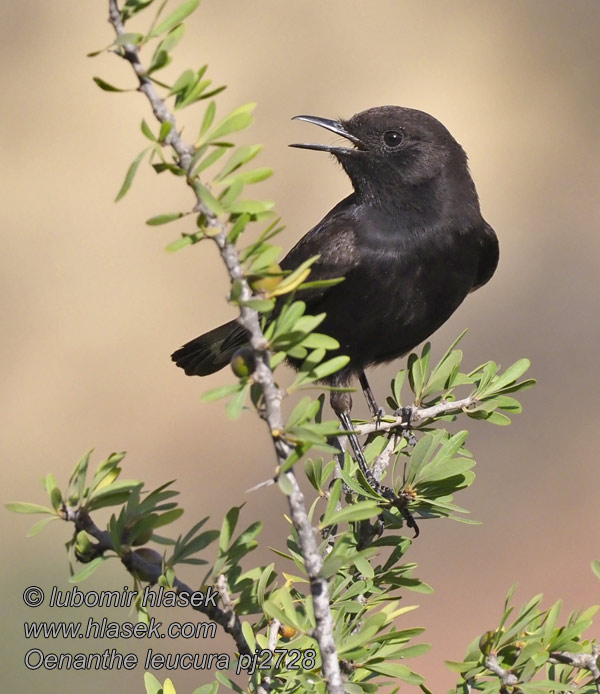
column 410, row 242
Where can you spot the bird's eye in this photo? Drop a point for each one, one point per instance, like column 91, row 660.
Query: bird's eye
column 392, row 138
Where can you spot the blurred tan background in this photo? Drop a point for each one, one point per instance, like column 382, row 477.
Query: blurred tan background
column 92, row 306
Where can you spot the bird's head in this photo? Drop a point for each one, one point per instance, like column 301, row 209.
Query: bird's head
column 393, row 148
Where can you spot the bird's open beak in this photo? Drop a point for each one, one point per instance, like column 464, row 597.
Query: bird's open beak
column 336, row 127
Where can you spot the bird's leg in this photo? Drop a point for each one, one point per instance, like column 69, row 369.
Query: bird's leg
column 376, row 411
column 341, row 404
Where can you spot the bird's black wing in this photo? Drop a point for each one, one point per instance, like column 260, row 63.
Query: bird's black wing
column 335, row 242
column 332, row 239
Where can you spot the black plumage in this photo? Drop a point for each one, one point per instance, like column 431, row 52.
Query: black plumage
column 410, row 242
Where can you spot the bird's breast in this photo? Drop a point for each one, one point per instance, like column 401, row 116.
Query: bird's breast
column 403, row 288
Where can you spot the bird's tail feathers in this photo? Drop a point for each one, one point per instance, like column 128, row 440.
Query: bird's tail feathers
column 211, row 351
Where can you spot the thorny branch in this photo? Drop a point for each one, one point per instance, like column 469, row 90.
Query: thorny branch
column 265, row 686
column 507, row 678
column 263, row 376
column 137, row 564
column 581, row 661
column 418, row 415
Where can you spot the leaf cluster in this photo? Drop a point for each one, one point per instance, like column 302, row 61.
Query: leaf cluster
column 492, row 389
column 534, row 648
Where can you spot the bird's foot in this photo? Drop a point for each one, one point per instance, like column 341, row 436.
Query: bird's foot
column 379, row 415
column 410, row 521
column 406, row 414
column 401, row 501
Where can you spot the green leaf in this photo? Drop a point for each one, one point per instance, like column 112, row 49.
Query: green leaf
column 261, row 305
column 129, row 176
column 129, row 38
column 493, row 417
column 596, row 568
column 77, row 479
column 265, row 256
column 238, row 119
column 330, row 366
column 449, row 469
column 183, row 82
column 207, row 689
column 235, row 406
column 230, row 684
column 510, row 375
column 484, row 374
column 209, row 116
column 238, row 228
column 228, row 527
column 416, row 374
column 186, row 240
column 442, row 372
column 212, row 92
column 147, row 131
column 175, row 18
column 249, row 635
column 285, row 485
column 56, row 498
column 241, row 156
column 116, row 486
column 305, row 409
column 167, row 517
column 273, row 610
column 208, row 198
column 321, row 284
column 295, row 279
column 106, row 86
column 313, row 469
column 25, row 507
column 214, row 156
column 320, row 341
column 171, row 39
column 164, row 218
column 160, row 59
column 87, row 570
column 395, row 670
column 165, row 128
column 252, row 207
column 40, row 525
column 132, row 7
column 397, row 384
column 360, row 510
column 252, row 176
column 264, row 581
column 220, row 392
column 231, row 194
column 461, row 667
column 550, row 622
column 333, row 502
column 364, row 567
column 153, row 686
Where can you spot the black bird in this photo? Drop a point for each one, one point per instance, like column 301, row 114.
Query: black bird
column 410, row 242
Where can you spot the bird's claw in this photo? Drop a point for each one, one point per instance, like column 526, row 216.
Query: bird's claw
column 406, row 414
column 400, row 502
